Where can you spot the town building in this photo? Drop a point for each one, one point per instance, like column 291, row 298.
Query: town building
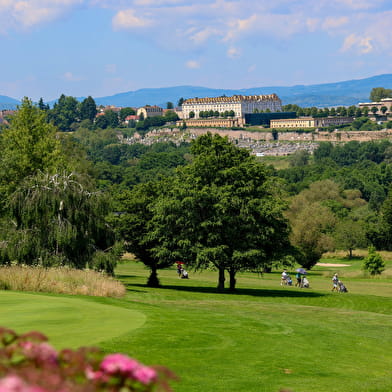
column 149, row 111
column 213, row 122
column 385, row 102
column 131, row 117
column 238, row 104
column 309, row 122
column 264, row 119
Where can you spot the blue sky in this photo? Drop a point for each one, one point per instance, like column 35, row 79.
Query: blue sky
column 104, row 47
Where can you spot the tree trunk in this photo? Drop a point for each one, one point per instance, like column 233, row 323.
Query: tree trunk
column 153, row 280
column 351, row 253
column 221, row 280
column 232, row 279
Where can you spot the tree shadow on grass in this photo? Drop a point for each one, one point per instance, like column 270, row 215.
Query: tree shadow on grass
column 131, row 288
column 120, row 276
column 305, row 293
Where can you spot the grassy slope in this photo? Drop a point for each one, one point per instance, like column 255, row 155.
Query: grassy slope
column 264, row 337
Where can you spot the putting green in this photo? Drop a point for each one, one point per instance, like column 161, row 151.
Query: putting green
column 68, row 322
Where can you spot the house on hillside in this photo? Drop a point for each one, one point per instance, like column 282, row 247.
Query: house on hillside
column 149, row 111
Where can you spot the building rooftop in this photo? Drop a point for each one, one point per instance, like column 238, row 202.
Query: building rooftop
column 234, row 98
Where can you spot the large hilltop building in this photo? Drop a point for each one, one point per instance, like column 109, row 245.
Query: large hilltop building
column 239, row 104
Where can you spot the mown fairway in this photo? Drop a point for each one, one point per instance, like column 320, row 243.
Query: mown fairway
column 68, row 321
column 263, row 338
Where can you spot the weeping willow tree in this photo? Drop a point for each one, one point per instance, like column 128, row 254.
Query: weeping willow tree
column 59, row 220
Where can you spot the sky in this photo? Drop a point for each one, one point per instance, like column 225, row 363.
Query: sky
column 105, row 47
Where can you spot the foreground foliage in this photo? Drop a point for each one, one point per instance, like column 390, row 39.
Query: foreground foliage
column 29, row 364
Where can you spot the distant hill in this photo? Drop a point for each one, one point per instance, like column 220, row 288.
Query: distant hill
column 344, row 93
column 8, row 103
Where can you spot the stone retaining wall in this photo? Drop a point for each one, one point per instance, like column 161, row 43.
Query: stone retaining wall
column 336, row 136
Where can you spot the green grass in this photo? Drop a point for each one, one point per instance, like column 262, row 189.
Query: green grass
column 263, row 338
column 278, row 162
column 68, row 321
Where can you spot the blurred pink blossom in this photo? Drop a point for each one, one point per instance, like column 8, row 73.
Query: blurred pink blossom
column 13, row 383
column 119, row 363
column 40, row 351
column 145, row 374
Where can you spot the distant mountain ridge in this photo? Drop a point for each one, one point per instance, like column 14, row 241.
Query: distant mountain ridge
column 344, row 93
column 8, row 103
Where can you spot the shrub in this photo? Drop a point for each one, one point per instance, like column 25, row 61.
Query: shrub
column 373, row 262
column 29, row 364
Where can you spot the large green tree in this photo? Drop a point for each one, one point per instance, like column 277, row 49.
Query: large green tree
column 28, row 145
column 125, row 112
column 65, row 112
column 378, row 93
column 135, row 224
column 88, row 109
column 313, row 218
column 350, row 234
column 222, row 209
column 112, row 118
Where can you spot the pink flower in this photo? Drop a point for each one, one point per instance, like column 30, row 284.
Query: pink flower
column 39, row 351
column 11, row 383
column 119, row 363
column 15, row 384
column 98, row 375
column 144, row 374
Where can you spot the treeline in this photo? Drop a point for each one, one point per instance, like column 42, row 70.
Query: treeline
column 122, row 165
column 341, row 197
column 68, row 114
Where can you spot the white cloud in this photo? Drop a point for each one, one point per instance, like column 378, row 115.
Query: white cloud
column 192, row 64
column 369, row 33
column 334, row 22
column 197, row 25
column 28, row 13
column 70, row 77
column 157, row 2
column 312, row 24
column 127, row 19
column 363, row 45
column 360, row 4
column 202, row 36
column 233, row 53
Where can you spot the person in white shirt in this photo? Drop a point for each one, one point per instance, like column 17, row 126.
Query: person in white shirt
column 284, row 277
column 335, row 281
